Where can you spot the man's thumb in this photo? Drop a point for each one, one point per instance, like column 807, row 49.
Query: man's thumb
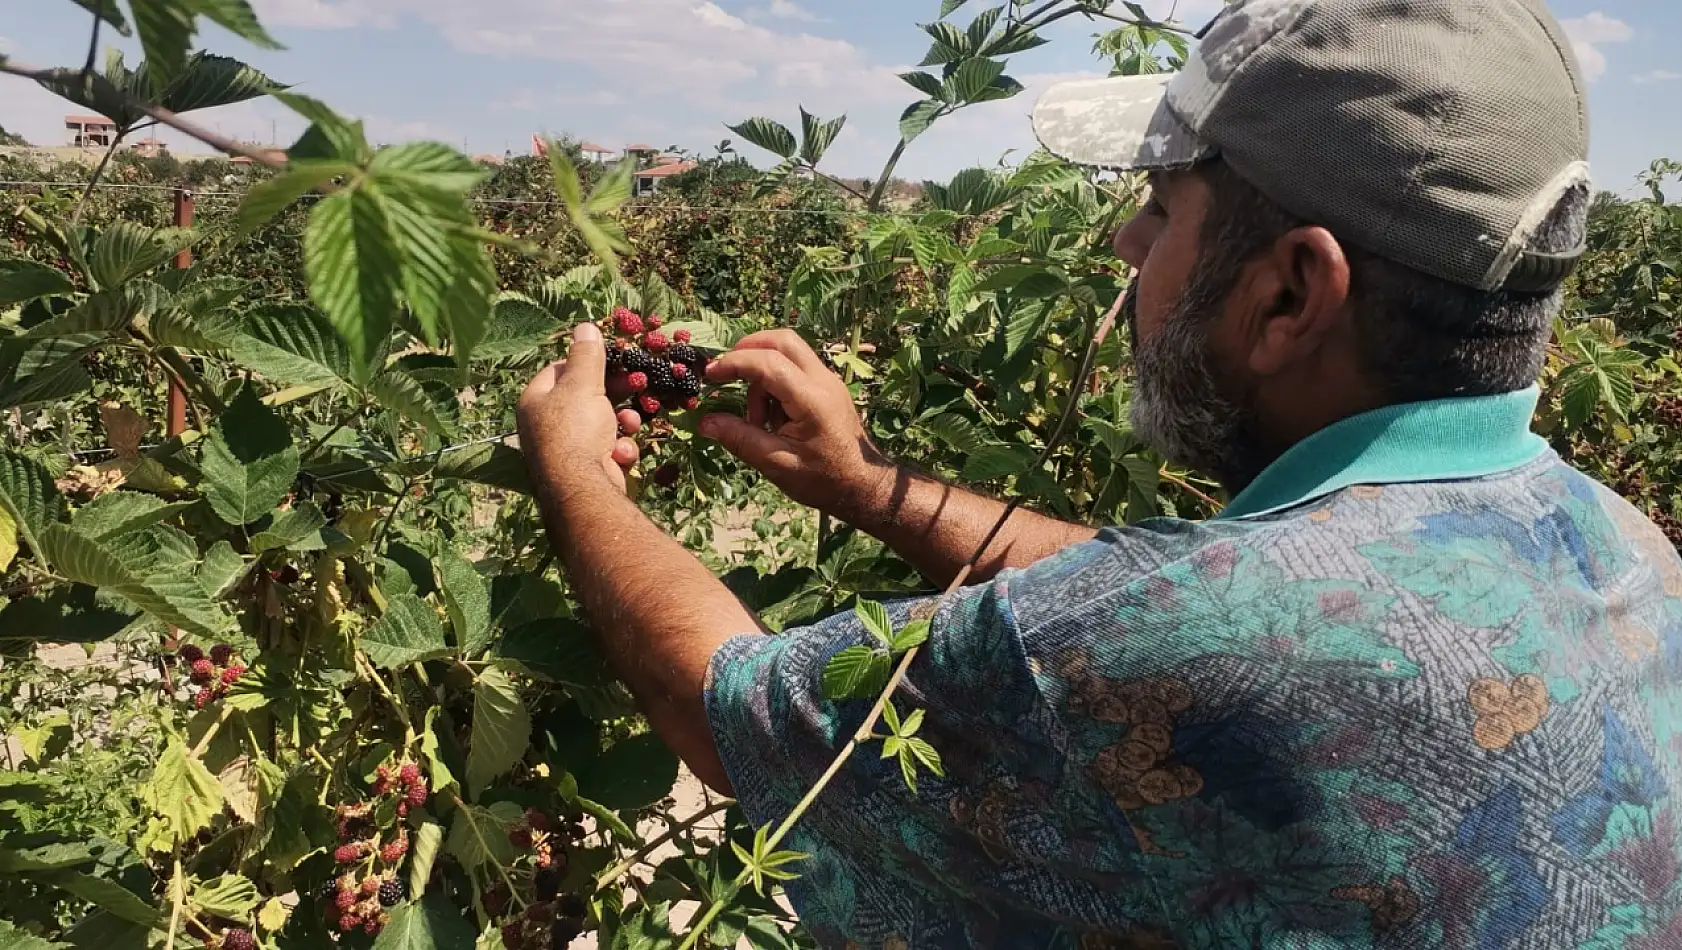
column 748, row 443
column 586, row 365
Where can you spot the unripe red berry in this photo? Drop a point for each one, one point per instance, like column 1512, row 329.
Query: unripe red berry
column 348, row 853
column 202, row 698
column 627, row 322
column 682, row 336
column 638, row 382
column 538, row 820
column 348, row 922
column 202, row 671
column 190, row 654
column 221, row 653
column 692, row 403
column 653, row 321
column 373, row 926
column 416, row 796
column 344, row 900
column 231, row 674
column 680, row 371
column 519, row 836
column 402, row 809
column 410, row 773
column 370, row 886
column 394, row 850
column 655, row 342
column 238, row 939
column 649, row 405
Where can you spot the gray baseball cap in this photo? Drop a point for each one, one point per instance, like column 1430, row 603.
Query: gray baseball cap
column 1436, row 133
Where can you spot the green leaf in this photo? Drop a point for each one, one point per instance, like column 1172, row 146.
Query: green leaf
column 208, row 81
column 479, row 834
column 353, row 271
column 497, row 465
column 431, row 165
column 182, row 793
column 249, row 460
column 408, row 632
column 1027, row 322
column 28, row 494
column 431, row 924
column 109, row 896
column 38, row 371
column 649, row 928
column 918, row 117
column 237, row 17
column 65, row 615
column 875, row 619
column 556, row 649
column 816, row 136
column 293, row 345
column 221, row 570
column 634, row 773
column 982, row 27
column 12, row 938
column 518, row 327
column 294, row 529
column 432, row 405
column 467, row 596
column 950, row 44
column 330, row 137
column 173, row 597
column 501, row 729
column 22, row 281
column 424, row 846
column 768, row 134
column 997, row 461
column 612, row 190
column 858, row 672
column 926, row 83
column 231, row 897
column 166, row 30
column 266, row 198
column 126, row 249
column 948, row 7
column 120, row 512
column 913, row 634
column 102, row 314
column 956, row 431
column 8, row 540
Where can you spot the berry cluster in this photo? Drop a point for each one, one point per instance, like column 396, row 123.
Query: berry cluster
column 1669, row 524
column 212, row 674
column 363, row 904
column 236, row 939
column 547, row 925
column 660, row 373
column 1669, row 412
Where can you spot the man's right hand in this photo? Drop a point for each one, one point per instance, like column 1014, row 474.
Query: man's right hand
column 802, row 429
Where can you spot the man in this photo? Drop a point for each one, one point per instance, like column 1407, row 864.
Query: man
column 1418, row 686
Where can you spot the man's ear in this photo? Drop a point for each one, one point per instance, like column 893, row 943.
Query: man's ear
column 1307, row 275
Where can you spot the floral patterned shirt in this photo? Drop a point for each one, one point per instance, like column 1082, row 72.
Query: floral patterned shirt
column 1419, row 687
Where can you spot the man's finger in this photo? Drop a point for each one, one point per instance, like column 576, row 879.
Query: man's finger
column 751, row 445
column 781, row 379
column 543, row 382
column 585, row 370
column 625, row 454
column 788, row 343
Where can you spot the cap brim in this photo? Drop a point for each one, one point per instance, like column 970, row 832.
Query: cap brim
column 1122, row 124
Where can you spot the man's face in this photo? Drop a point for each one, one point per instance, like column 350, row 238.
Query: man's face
column 1189, row 400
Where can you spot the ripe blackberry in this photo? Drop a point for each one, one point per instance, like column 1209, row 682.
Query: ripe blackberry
column 537, row 820
column 203, row 671
column 688, row 386
column 190, row 654
column 572, row 905
column 627, row 322
column 540, row 912
column 409, row 773
column 221, row 653
column 682, row 353
column 392, row 892
column 513, row 935
column 238, row 939
column 327, row 891
column 520, row 836
column 373, row 925
column 547, row 883
column 640, row 361
column 615, row 356
column 681, row 336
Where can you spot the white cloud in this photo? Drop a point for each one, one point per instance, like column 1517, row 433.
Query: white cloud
column 1658, row 75
column 789, row 10
column 310, row 14
column 1589, row 33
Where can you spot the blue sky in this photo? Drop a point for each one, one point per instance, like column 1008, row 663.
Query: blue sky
column 488, row 74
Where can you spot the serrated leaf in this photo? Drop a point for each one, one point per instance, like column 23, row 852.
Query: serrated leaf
column 174, row 597
column 120, row 512
column 431, row 405
column 330, row 137
column 817, row 136
column 956, row 431
column 28, row 494
column 182, row 793
column 221, row 569
column 633, row 773
column 73, row 614
column 125, row 249
column 109, row 896
column 291, row 344
column 8, row 540
column 21, row 281
column 950, row 43
column 479, row 834
column 913, row 634
column 13, row 938
column 948, row 7
column 997, row 461
column 266, row 199
column 875, row 619
column 612, row 190
column 857, row 672
column 768, row 134
column 353, row 271
column 432, row 165
column 501, row 729
column 272, row 916
column 467, row 596
column 430, row 924
column 918, row 117
column 249, row 460
column 555, row 648
column 294, row 529
column 518, row 327
column 231, row 897
column 408, row 632
column 926, row 83
column 424, row 846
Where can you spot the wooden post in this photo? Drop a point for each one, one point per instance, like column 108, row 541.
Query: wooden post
column 183, row 260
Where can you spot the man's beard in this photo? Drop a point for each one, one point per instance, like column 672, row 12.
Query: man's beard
column 1179, row 408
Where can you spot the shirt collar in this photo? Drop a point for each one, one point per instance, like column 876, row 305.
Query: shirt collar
column 1441, row 440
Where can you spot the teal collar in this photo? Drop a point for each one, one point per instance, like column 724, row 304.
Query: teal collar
column 1442, row 440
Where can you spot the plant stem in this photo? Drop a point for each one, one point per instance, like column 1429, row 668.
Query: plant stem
column 209, row 734
column 192, row 405
column 93, row 41
column 177, row 896
column 190, row 379
column 372, row 675
column 613, row 873
column 880, row 189
column 99, row 170
column 1186, row 486
column 513, row 892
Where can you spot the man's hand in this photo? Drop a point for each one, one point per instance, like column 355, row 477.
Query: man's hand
column 802, row 429
column 568, row 431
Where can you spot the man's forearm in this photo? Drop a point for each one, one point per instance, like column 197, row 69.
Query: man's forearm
column 659, row 613
column 937, row 527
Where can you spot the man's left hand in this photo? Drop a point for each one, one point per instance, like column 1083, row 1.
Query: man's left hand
column 568, row 431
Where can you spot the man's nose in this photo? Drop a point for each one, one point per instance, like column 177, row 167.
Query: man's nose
column 1132, row 241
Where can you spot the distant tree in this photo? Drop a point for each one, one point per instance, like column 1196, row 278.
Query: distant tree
column 10, row 138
